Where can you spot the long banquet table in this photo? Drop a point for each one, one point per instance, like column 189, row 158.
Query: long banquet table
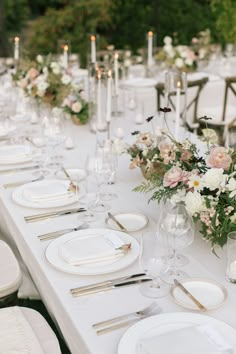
column 75, row 316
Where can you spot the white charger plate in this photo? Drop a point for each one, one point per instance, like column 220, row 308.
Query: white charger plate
column 131, row 221
column 19, row 196
column 52, row 254
column 15, row 154
column 163, row 323
column 208, row 292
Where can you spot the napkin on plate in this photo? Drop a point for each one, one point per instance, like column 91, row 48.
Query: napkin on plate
column 202, row 339
column 50, row 191
column 92, row 249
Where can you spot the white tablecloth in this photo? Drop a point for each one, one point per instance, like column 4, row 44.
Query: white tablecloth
column 75, row 316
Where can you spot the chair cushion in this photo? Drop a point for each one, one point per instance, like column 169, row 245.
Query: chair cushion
column 24, row 330
column 10, row 273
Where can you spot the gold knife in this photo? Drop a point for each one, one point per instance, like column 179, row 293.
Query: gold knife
column 53, row 214
column 112, row 217
column 197, row 303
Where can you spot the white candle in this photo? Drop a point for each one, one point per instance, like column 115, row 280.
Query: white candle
column 116, row 56
column 99, row 115
column 65, row 56
column 150, row 44
column 109, row 83
column 120, row 133
column 93, row 49
column 177, row 110
column 16, row 49
column 139, row 118
column 231, row 273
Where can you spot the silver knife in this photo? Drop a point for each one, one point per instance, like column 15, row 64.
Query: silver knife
column 55, row 234
column 18, row 169
column 113, row 286
column 107, row 282
column 53, row 214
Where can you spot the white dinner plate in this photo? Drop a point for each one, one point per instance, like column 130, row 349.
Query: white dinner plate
column 20, row 194
column 131, row 221
column 208, row 292
column 14, row 154
column 76, row 174
column 163, row 323
column 5, row 131
column 52, row 253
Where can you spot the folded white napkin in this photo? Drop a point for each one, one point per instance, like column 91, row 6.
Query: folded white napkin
column 14, row 152
column 91, row 249
column 50, row 191
column 203, row 339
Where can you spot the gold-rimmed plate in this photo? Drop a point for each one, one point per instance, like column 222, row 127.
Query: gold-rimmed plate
column 131, row 221
column 210, row 293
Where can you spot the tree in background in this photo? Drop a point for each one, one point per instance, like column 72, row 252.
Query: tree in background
column 225, row 14
column 73, row 23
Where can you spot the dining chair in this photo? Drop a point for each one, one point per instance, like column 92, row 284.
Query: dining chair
column 224, row 115
column 10, row 276
column 24, row 330
column 194, row 88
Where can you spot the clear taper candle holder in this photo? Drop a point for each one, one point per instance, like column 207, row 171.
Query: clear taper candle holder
column 231, row 257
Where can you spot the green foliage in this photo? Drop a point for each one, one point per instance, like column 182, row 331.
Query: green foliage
column 72, row 23
column 225, row 13
column 16, row 13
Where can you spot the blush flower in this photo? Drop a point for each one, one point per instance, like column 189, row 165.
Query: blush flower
column 186, row 155
column 219, row 158
column 167, row 152
column 32, row 74
column 146, row 139
column 173, row 177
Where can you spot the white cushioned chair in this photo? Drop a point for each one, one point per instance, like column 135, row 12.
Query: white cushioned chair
column 24, row 330
column 10, row 276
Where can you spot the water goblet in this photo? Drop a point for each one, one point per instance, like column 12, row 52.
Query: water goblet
column 154, row 265
column 177, row 229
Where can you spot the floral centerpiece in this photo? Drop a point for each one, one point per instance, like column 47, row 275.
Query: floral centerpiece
column 77, row 106
column 205, row 184
column 44, row 80
column 180, row 57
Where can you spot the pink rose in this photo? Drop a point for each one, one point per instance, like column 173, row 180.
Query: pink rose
column 167, row 152
column 173, row 177
column 23, row 83
column 219, row 158
column 32, row 74
column 186, row 155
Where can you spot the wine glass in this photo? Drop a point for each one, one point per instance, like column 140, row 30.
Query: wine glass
column 176, row 230
column 109, row 163
column 95, row 168
column 154, row 265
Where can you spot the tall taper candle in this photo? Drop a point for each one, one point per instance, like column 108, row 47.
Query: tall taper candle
column 65, row 56
column 150, row 44
column 177, row 110
column 99, row 115
column 109, row 83
column 16, row 48
column 116, row 56
column 93, row 49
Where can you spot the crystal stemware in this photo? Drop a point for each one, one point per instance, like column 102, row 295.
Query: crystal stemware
column 154, row 265
column 176, row 229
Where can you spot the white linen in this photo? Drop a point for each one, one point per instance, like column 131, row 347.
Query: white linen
column 16, row 333
column 202, row 339
column 47, row 191
column 90, row 250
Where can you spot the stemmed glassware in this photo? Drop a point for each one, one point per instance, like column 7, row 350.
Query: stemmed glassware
column 154, row 265
column 176, row 231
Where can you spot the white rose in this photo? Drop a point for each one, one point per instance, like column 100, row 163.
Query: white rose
column 39, row 59
column 127, row 63
column 55, row 68
column 231, row 186
column 213, row 178
column 66, row 79
column 169, row 50
column 189, row 62
column 45, row 71
column 193, row 202
column 167, row 40
column 179, row 63
column 233, row 218
column 76, row 107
